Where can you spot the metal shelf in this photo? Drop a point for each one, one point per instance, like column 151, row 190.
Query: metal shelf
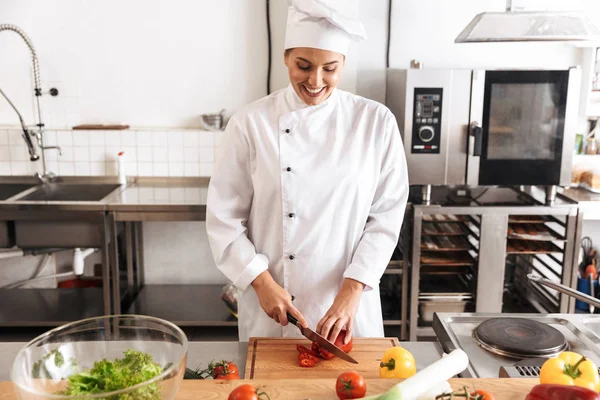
column 391, row 271
column 184, row 305
column 48, row 307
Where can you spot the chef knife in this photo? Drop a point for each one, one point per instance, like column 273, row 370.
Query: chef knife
column 321, row 341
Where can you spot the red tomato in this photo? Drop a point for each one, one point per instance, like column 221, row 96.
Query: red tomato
column 486, row 395
column 350, row 385
column 322, row 353
column 223, row 368
column 305, row 360
column 246, row 392
column 228, row 377
column 339, row 342
column 302, row 349
column 306, row 363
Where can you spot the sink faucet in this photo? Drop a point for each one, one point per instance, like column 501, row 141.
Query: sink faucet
column 38, row 132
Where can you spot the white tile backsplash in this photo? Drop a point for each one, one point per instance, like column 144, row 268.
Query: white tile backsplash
column 50, row 138
column 207, row 155
column 81, row 154
column 97, row 138
column 160, row 169
column 64, row 168
column 21, row 167
column 81, row 138
column 3, row 138
column 160, row 139
column 160, row 154
column 144, row 154
column 67, row 154
column 206, row 169
column 175, row 139
column 145, row 169
column 176, row 169
column 144, row 139
column 4, row 153
column 19, row 153
column 83, row 169
column 5, row 168
column 147, row 152
column 191, row 154
column 97, row 154
column 128, row 138
column 64, row 138
column 15, row 138
column 206, row 139
column 52, row 166
column 191, row 139
column 191, row 169
column 97, row 168
column 112, row 138
column 176, row 154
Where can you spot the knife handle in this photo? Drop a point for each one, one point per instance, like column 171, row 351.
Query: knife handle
column 292, row 319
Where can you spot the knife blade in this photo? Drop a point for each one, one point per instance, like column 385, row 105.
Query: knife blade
column 321, row 341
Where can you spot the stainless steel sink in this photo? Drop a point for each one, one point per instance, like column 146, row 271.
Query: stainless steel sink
column 8, row 190
column 70, row 192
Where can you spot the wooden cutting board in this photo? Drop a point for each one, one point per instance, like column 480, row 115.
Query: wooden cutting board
column 301, row 389
column 277, row 358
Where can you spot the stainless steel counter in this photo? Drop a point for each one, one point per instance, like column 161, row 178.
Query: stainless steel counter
column 156, row 196
column 589, row 202
column 201, row 353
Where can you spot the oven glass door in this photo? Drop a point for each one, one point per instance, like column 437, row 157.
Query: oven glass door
column 523, row 127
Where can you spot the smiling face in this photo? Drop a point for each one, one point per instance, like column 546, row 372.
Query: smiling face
column 314, row 73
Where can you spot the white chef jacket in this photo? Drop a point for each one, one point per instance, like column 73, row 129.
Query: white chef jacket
column 314, row 194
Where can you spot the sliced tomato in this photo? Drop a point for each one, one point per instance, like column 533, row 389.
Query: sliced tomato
column 324, row 354
column 303, row 349
column 307, row 356
column 306, row 362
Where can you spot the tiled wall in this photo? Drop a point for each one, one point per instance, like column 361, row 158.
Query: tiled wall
column 182, row 152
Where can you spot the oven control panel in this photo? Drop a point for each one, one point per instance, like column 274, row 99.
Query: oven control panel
column 427, row 116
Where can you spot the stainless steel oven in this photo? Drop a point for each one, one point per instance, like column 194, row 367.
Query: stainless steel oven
column 486, row 127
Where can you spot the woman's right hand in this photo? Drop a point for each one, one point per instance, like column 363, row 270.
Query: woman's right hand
column 275, row 301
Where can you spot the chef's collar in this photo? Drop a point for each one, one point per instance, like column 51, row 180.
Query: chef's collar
column 296, row 103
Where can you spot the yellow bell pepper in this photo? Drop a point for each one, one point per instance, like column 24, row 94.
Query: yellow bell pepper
column 397, row 362
column 570, row 369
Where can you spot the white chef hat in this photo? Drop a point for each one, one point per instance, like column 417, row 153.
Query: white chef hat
column 320, row 24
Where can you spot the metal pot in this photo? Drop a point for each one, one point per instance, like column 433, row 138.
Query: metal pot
column 213, row 122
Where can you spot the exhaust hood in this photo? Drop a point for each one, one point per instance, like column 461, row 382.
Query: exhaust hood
column 528, row 26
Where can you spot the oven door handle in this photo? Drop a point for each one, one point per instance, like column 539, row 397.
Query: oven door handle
column 477, row 133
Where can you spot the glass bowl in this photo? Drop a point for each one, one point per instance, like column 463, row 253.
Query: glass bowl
column 41, row 369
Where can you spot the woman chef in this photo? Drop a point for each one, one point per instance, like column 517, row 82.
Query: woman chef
column 308, row 192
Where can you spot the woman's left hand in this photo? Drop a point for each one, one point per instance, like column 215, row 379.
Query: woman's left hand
column 342, row 312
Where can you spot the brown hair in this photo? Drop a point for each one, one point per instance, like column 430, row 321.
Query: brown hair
column 288, row 51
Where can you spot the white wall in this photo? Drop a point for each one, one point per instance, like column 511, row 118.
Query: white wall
column 146, row 63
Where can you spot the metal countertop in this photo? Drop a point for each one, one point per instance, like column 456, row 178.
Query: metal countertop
column 183, row 198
